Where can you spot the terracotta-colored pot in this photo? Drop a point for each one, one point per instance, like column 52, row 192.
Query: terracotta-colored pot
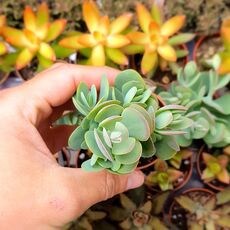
column 199, row 160
column 184, row 193
column 200, row 42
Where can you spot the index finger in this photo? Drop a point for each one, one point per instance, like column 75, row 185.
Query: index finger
column 57, row 84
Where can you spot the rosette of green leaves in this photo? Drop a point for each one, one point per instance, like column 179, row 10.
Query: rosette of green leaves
column 197, row 91
column 124, row 123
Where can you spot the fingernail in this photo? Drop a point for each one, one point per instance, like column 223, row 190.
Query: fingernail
column 135, row 179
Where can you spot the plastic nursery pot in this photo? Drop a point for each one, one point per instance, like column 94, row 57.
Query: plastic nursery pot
column 186, row 168
column 177, row 215
column 3, row 77
column 214, row 184
column 200, row 42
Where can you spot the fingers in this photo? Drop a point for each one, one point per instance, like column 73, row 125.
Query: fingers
column 56, row 85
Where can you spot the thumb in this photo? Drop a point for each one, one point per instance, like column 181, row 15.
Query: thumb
column 88, row 188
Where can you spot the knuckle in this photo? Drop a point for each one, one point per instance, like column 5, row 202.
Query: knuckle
column 112, row 185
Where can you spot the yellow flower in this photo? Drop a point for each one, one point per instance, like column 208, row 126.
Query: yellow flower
column 104, row 37
column 155, row 38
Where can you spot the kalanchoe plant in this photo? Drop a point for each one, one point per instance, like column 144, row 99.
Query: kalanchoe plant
column 163, row 176
column 216, row 168
column 208, row 214
column 197, row 91
column 157, row 40
column 34, row 39
column 142, row 217
column 104, row 40
column 124, row 123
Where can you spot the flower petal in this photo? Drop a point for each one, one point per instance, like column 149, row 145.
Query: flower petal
column 120, row 23
column 46, row 51
column 173, row 25
column 117, row 41
column 144, row 17
column 3, row 48
column 138, row 38
column 98, row 56
column 29, row 19
column 167, row 52
column 104, row 25
column 116, row 56
column 71, row 42
column 15, row 37
column 148, row 62
column 87, row 40
column 24, row 58
column 55, row 28
column 91, row 15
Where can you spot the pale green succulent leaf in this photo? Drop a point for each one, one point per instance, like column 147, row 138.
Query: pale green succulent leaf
column 104, row 88
column 86, row 165
column 124, row 147
column 181, row 38
column 76, row 138
column 132, row 156
column 163, row 119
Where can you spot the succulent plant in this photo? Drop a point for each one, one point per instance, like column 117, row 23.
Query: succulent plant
column 85, row 221
column 124, row 123
column 104, row 39
column 132, row 216
column 163, row 176
column 197, row 91
column 216, row 168
column 35, row 37
column 208, row 214
column 157, row 41
column 183, row 154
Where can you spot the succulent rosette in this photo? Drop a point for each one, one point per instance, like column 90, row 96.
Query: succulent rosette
column 124, row 123
column 210, row 114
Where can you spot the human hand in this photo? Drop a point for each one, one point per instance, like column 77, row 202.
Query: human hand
column 35, row 192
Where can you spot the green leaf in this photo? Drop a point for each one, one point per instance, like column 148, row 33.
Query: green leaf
column 181, row 39
column 89, row 168
column 76, row 138
column 186, row 203
column 108, row 111
column 92, row 144
column 132, row 156
column 99, row 106
column 124, row 147
column 109, row 123
column 163, row 119
column 148, row 148
column 126, row 76
column 136, row 123
column 104, row 88
column 130, row 95
column 124, row 169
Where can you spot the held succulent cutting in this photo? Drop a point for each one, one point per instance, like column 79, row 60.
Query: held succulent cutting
column 123, row 123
